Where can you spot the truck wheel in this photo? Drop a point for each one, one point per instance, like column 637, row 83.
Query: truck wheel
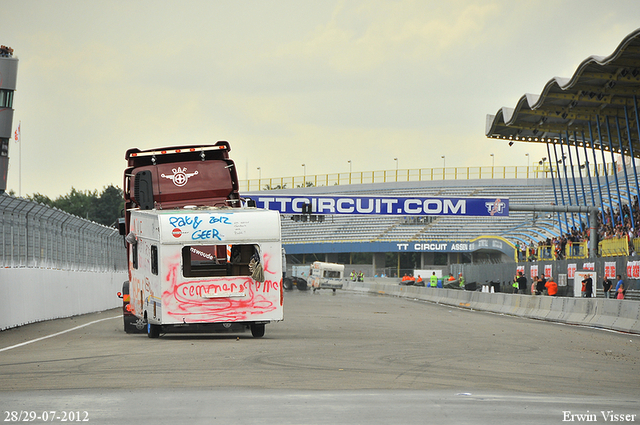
column 257, row 330
column 153, row 331
column 287, row 283
column 302, row 284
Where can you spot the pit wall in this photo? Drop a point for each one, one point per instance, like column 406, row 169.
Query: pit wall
column 29, row 295
column 619, row 315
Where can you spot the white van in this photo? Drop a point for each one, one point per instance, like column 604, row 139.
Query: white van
column 206, row 268
column 326, row 276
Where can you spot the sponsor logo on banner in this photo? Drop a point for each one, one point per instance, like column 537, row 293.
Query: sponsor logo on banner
column 610, row 269
column 497, row 207
column 633, row 269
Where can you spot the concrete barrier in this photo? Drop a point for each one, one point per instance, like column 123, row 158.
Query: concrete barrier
column 620, row 315
column 557, row 309
column 628, row 319
column 33, row 295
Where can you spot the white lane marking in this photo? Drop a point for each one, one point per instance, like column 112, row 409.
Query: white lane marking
column 56, row 334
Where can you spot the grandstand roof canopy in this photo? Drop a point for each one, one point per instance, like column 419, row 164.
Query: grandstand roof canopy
column 601, row 90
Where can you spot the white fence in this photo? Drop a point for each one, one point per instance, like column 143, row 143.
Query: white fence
column 54, row 264
column 33, row 295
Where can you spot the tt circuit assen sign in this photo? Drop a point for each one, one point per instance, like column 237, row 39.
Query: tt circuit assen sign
column 482, row 243
column 371, row 205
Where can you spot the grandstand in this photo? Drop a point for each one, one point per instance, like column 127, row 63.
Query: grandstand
column 596, row 110
column 326, row 237
column 518, row 227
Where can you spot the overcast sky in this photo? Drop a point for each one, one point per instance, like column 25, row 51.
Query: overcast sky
column 285, row 82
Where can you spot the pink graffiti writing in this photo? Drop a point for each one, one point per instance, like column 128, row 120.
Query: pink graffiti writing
column 195, row 299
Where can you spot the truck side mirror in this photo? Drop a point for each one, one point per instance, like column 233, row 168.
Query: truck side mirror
column 143, row 189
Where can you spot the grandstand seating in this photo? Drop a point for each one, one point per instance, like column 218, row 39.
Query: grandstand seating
column 523, row 227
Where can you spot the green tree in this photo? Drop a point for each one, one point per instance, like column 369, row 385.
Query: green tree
column 40, row 198
column 104, row 207
column 76, row 202
column 109, row 206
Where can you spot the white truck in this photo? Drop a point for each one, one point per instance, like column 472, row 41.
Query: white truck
column 326, row 276
column 206, row 268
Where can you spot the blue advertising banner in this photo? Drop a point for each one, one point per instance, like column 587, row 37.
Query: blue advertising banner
column 487, row 243
column 384, row 205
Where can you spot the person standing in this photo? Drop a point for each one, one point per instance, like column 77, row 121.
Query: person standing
column 606, row 287
column 587, row 286
column 461, row 280
column 552, row 287
column 620, row 288
column 540, row 285
column 433, row 280
column 522, row 283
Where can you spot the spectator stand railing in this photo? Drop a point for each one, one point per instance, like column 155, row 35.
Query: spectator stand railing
column 614, row 247
column 546, row 253
column 412, row 174
column 576, row 250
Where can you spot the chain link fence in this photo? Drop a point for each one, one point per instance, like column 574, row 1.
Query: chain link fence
column 37, row 236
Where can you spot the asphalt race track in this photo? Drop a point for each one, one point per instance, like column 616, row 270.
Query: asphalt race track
column 336, row 358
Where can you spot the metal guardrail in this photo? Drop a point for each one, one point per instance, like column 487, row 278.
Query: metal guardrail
column 576, row 251
column 614, row 247
column 35, row 235
column 572, row 251
column 419, row 174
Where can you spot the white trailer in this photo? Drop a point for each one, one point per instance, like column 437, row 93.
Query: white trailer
column 326, row 276
column 206, row 268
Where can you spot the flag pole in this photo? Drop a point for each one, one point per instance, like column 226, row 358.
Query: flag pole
column 20, row 169
column 18, row 138
column 20, row 159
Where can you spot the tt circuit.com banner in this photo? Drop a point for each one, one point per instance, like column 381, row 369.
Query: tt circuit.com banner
column 371, row 205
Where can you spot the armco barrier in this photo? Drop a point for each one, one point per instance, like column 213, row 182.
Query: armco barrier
column 33, row 295
column 619, row 315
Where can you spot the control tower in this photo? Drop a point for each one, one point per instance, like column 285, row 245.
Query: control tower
column 8, row 75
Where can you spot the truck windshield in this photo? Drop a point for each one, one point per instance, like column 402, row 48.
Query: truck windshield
column 218, row 260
